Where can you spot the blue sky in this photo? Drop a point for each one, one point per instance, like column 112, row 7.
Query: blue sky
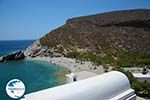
column 31, row 19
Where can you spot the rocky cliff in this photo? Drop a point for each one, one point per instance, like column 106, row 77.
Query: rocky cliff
column 105, row 33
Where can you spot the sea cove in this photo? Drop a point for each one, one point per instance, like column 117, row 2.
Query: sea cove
column 36, row 75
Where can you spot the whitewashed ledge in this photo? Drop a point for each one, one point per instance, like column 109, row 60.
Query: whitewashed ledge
column 113, row 85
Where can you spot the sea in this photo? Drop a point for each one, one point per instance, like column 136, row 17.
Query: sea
column 36, row 75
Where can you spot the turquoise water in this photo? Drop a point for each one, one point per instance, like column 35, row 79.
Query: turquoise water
column 36, row 75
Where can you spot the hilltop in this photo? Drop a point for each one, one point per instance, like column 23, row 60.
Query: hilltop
column 111, row 33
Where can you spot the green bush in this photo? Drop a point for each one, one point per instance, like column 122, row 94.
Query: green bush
column 73, row 55
column 123, row 58
column 132, row 59
column 91, row 57
column 141, row 88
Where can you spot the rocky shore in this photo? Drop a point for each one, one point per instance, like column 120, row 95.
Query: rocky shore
column 72, row 64
column 38, row 52
column 19, row 55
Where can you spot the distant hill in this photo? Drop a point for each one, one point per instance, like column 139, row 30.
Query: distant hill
column 105, row 33
column 123, row 37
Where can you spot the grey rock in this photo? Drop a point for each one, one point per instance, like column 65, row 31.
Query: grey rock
column 36, row 49
column 1, row 59
column 19, row 55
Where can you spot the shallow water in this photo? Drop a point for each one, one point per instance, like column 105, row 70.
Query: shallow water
column 36, row 75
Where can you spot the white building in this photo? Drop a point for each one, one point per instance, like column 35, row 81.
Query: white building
column 138, row 73
column 142, row 77
column 109, row 86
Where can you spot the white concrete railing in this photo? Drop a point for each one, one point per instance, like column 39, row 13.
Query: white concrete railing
column 109, row 86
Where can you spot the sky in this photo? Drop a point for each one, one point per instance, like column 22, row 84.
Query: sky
column 32, row 19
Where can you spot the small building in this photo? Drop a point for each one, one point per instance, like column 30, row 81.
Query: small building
column 113, row 85
column 142, row 77
column 141, row 74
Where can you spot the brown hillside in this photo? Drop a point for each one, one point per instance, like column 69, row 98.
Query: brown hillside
column 127, row 30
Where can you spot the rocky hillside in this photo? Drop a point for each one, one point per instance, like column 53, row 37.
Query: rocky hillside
column 105, row 33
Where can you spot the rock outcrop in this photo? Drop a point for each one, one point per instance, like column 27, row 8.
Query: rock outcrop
column 36, row 49
column 19, row 55
column 1, row 59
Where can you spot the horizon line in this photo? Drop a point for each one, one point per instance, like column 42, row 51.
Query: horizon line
column 18, row 39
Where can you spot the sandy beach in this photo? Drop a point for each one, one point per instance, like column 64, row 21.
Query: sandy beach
column 72, row 64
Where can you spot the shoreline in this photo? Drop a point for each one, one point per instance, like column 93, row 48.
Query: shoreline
column 71, row 64
column 59, row 74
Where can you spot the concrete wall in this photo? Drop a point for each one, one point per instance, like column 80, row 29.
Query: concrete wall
column 109, row 86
